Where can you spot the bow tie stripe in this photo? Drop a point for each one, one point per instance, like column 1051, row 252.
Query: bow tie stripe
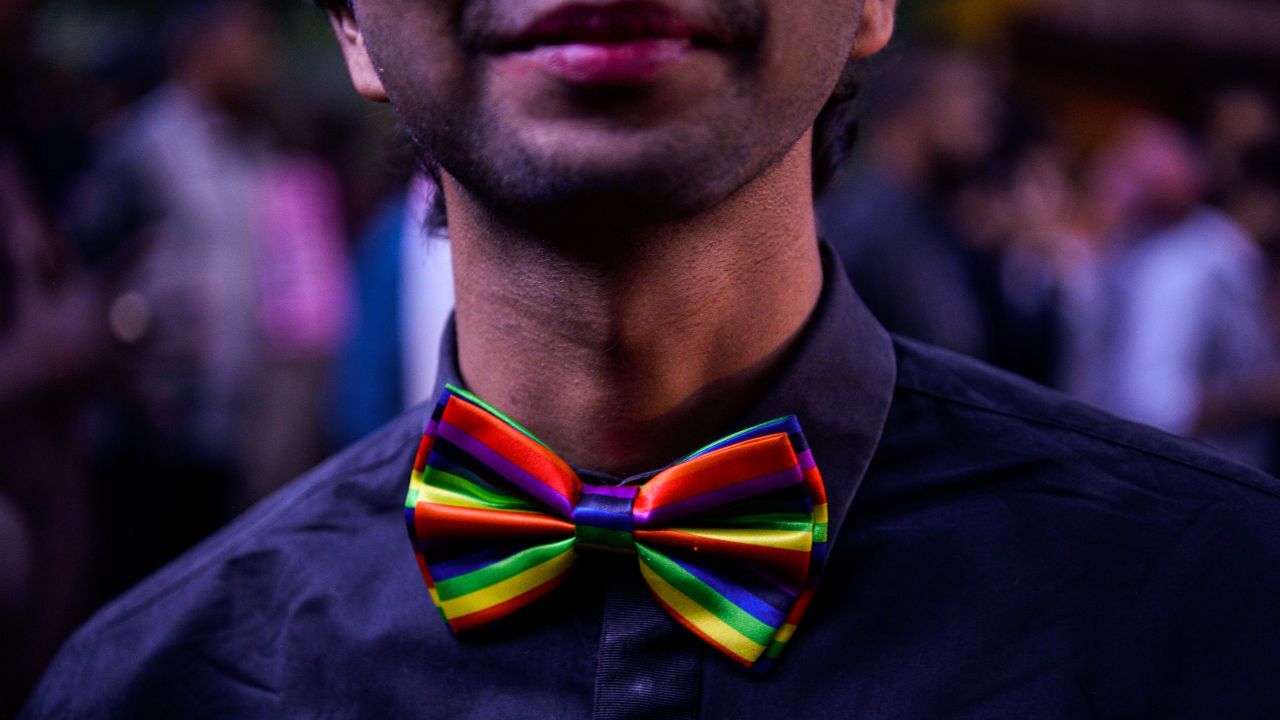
column 813, row 479
column 511, row 452
column 728, row 540
column 713, row 480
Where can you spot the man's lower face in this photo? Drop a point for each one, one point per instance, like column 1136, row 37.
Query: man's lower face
column 633, row 110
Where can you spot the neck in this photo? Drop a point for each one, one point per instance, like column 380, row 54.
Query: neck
column 624, row 360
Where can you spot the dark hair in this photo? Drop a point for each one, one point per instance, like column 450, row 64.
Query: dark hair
column 835, row 131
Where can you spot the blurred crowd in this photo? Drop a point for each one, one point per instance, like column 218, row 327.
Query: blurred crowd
column 176, row 281
column 1140, row 275
column 208, row 283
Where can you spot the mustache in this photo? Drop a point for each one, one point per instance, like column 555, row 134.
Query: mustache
column 488, row 25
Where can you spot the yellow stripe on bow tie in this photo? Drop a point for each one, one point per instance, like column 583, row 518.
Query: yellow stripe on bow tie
column 798, row 540
column 512, row 587
column 702, row 621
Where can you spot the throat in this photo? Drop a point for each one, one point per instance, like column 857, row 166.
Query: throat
column 625, row 360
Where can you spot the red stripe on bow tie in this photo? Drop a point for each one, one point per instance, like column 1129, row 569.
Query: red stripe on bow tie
column 516, row 447
column 445, row 522
column 716, row 471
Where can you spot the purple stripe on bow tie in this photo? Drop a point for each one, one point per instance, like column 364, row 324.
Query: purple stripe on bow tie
column 610, row 490
column 515, row 475
column 806, row 460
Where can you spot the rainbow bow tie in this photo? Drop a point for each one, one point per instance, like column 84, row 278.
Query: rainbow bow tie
column 729, row 540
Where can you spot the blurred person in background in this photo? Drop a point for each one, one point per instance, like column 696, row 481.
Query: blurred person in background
column 171, row 292
column 1181, row 340
column 54, row 348
column 177, row 173
column 302, row 309
column 53, row 345
column 238, row 302
column 1240, row 120
column 1015, row 211
column 1253, row 201
column 930, row 120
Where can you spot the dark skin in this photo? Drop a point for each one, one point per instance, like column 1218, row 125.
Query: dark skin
column 632, row 265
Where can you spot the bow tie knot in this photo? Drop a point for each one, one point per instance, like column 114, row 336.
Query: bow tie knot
column 602, row 519
column 728, row 540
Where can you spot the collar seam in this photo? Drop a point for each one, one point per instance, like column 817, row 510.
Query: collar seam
column 1273, row 492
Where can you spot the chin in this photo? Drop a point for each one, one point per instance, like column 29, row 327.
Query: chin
column 590, row 202
column 590, row 185
column 602, row 172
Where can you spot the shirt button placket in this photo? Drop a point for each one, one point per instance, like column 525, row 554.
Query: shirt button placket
column 648, row 666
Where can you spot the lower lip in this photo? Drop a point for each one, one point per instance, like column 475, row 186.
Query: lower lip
column 622, row 64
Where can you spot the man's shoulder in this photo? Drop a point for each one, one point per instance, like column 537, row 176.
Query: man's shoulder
column 352, row 484
column 1019, row 418
column 316, row 539
column 1024, row 529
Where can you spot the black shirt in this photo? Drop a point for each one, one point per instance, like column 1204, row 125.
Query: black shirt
column 998, row 551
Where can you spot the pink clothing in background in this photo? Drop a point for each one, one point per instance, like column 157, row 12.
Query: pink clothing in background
column 303, row 270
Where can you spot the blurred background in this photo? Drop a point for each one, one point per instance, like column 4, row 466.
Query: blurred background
column 214, row 269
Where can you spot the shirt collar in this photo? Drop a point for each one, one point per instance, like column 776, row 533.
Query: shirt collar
column 838, row 380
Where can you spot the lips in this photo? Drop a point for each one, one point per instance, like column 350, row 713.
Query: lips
column 620, row 44
column 632, row 62
column 612, row 24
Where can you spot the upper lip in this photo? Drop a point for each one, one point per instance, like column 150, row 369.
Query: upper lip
column 608, row 24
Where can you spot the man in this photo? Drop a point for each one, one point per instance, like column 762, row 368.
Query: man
column 628, row 189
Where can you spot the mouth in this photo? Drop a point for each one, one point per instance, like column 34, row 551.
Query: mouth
column 625, row 43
